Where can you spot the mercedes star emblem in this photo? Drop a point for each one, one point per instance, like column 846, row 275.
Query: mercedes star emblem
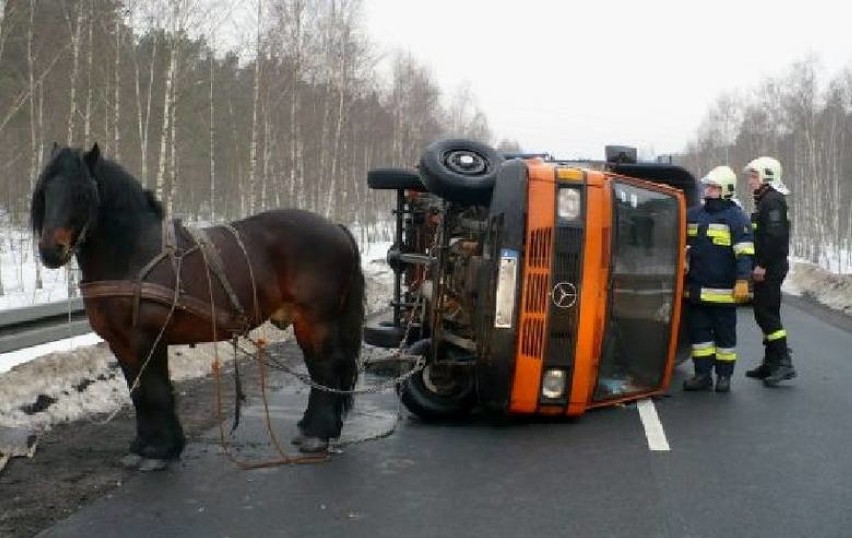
column 564, row 295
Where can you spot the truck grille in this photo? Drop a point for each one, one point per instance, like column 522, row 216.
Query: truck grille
column 562, row 327
column 537, row 291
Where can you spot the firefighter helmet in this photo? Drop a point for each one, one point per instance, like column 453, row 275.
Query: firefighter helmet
column 724, row 178
column 768, row 170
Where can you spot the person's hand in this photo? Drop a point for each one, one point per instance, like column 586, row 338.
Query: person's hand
column 759, row 274
column 741, row 291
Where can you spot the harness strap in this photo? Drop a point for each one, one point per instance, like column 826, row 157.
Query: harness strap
column 139, row 289
column 103, row 289
column 212, row 254
column 169, row 249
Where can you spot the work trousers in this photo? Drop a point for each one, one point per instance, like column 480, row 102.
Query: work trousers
column 713, row 335
column 767, row 310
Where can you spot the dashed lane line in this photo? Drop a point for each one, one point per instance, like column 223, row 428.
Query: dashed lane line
column 653, row 427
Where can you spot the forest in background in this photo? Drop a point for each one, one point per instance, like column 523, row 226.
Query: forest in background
column 293, row 113
column 806, row 123
column 291, row 110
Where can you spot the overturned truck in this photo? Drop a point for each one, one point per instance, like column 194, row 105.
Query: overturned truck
column 531, row 285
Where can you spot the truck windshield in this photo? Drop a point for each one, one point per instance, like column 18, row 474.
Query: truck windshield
column 645, row 239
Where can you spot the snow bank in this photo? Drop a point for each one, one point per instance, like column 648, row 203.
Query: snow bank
column 811, row 281
column 68, row 385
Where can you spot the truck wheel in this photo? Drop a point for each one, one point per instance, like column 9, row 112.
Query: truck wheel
column 394, row 178
column 383, row 335
column 460, row 170
column 438, row 391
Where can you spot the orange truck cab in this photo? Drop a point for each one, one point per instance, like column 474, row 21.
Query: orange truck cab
column 531, row 285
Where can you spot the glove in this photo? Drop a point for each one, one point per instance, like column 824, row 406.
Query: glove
column 741, row 291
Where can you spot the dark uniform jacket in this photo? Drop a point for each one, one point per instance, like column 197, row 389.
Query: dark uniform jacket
column 720, row 250
column 771, row 230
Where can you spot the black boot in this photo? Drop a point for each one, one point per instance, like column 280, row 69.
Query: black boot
column 698, row 382
column 781, row 371
column 723, row 383
column 761, row 372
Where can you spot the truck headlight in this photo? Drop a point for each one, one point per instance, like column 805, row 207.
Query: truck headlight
column 569, row 203
column 507, row 285
column 553, row 384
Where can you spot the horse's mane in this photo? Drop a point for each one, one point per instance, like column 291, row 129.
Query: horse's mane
column 118, row 191
column 118, row 186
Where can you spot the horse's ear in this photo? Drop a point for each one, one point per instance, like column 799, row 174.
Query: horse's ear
column 92, row 157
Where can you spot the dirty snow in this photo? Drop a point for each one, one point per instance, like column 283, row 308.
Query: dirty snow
column 84, row 381
column 69, row 383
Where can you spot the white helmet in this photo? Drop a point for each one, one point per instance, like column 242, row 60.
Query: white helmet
column 768, row 170
column 724, row 178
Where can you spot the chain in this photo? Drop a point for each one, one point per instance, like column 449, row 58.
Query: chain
column 398, row 355
column 419, row 363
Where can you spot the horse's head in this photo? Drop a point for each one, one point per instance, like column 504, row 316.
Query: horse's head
column 65, row 203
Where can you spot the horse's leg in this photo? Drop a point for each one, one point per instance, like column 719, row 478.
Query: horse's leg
column 329, row 365
column 159, row 435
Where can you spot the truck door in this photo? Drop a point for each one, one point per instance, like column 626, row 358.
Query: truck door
column 644, row 290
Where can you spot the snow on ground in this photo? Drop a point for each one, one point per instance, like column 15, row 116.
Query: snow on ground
column 69, row 380
column 75, row 379
column 811, row 281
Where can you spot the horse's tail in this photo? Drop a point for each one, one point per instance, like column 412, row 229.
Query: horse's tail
column 352, row 322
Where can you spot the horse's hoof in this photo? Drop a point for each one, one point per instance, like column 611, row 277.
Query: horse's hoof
column 313, row 445
column 150, row 464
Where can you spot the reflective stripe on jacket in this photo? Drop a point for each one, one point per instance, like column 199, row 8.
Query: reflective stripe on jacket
column 720, row 250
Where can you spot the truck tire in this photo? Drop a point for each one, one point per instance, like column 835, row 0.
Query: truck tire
column 438, row 392
column 383, row 335
column 460, row 170
column 394, row 179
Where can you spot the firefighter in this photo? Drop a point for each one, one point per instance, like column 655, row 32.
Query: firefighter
column 771, row 227
column 720, row 247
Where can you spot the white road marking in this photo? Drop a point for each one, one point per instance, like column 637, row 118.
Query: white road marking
column 653, row 427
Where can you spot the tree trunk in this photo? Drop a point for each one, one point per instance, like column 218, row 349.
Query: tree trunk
column 34, row 135
column 143, row 118
column 252, row 180
column 267, row 156
column 173, row 173
column 87, row 118
column 116, row 146
column 159, row 185
column 75, row 70
column 212, row 138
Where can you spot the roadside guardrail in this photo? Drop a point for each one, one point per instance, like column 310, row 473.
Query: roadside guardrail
column 38, row 324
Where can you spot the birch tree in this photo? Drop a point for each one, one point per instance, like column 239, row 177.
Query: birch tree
column 799, row 101
column 75, row 29
column 34, row 133
column 340, row 58
column 168, row 103
column 293, row 20
column 116, row 106
column 258, row 61
column 87, row 118
column 143, row 110
column 212, row 132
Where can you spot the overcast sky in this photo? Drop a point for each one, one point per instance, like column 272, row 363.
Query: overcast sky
column 569, row 77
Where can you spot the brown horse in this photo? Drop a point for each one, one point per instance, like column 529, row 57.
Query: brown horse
column 148, row 282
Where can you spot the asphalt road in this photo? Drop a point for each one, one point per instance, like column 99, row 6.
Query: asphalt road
column 755, row 462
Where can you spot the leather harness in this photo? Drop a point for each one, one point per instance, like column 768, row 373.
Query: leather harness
column 234, row 320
